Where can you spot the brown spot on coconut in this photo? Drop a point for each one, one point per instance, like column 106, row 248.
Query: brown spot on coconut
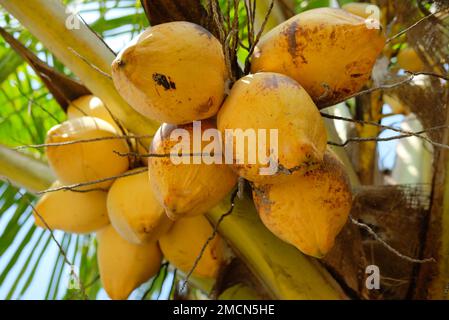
column 192, row 188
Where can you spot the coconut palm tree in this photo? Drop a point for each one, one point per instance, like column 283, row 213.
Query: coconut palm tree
column 399, row 222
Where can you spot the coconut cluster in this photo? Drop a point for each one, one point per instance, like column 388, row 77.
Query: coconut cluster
column 99, row 190
column 316, row 59
column 175, row 73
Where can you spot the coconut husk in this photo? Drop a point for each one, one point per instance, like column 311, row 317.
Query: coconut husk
column 397, row 215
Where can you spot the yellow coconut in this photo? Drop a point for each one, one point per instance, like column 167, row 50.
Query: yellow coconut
column 86, row 161
column 409, row 60
column 195, row 186
column 310, row 210
column 94, row 107
column 183, row 243
column 125, row 266
column 173, row 72
column 134, row 211
column 330, row 52
column 70, row 211
column 279, row 105
column 90, row 106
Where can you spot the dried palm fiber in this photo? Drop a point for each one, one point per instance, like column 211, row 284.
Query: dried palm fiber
column 396, row 214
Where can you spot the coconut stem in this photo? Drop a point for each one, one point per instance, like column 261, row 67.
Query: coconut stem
column 24, row 170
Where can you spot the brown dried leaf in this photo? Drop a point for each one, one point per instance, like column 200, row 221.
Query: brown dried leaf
column 162, row 11
column 63, row 88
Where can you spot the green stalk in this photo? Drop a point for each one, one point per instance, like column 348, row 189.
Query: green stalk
column 81, row 50
column 240, row 292
column 275, row 18
column 284, row 271
column 24, row 171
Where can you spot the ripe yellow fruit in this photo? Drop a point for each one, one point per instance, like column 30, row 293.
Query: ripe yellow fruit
column 90, row 106
column 273, row 101
column 94, row 107
column 409, row 60
column 187, row 189
column 173, row 72
column 309, row 211
column 183, row 243
column 134, row 211
column 125, row 266
column 86, row 161
column 330, row 52
column 70, row 211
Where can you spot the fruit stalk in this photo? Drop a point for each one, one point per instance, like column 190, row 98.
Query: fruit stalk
column 371, row 107
column 24, row 170
column 282, row 269
column 276, row 17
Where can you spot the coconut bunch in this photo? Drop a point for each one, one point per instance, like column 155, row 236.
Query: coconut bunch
column 315, row 59
column 83, row 153
column 88, row 157
column 86, row 153
column 328, row 54
column 175, row 73
column 100, row 190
